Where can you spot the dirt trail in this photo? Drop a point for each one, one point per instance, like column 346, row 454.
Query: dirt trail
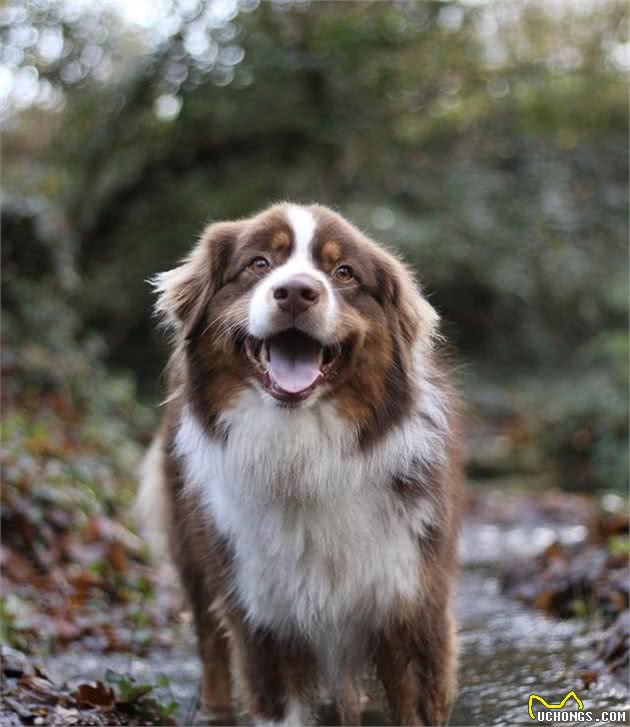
column 507, row 651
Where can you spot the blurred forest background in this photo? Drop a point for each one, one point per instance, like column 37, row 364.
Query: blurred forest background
column 488, row 141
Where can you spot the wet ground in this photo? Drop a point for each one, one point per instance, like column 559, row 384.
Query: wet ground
column 508, row 651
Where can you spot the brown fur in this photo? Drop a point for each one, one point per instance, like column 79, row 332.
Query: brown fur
column 374, row 389
column 417, row 657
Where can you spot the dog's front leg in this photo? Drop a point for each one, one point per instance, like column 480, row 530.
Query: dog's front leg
column 349, row 701
column 416, row 662
column 272, row 676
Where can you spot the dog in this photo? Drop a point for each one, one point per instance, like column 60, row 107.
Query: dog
column 306, row 476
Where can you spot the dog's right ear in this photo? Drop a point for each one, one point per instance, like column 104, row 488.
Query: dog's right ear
column 185, row 292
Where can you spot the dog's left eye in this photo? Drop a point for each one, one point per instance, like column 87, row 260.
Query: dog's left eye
column 343, row 273
column 259, row 265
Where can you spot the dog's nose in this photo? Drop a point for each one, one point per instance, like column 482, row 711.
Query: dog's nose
column 297, row 294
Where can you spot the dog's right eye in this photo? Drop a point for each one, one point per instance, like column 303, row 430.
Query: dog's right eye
column 259, row 265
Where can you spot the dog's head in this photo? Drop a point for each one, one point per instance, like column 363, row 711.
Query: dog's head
column 297, row 303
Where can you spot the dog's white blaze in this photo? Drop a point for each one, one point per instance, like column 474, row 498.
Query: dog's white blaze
column 322, row 546
column 303, row 225
column 262, row 305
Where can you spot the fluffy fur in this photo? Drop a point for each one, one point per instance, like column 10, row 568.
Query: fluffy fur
column 313, row 529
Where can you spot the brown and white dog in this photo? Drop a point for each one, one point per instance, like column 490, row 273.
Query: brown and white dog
column 306, row 474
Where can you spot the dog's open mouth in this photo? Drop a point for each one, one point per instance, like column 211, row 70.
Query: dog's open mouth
column 291, row 364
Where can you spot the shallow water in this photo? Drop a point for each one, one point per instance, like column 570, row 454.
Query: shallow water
column 507, row 651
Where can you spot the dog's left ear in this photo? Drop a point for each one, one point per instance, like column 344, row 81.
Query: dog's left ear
column 417, row 317
column 185, row 292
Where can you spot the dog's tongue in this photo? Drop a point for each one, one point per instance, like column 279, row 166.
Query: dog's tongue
column 293, row 361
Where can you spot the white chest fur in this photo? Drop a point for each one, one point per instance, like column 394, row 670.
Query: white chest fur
column 320, row 540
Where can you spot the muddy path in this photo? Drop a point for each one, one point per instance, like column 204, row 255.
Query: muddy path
column 508, row 651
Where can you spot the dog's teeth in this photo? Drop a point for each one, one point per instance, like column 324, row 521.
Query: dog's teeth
column 264, row 354
column 321, row 356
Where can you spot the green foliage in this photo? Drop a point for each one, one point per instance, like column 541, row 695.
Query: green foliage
column 72, row 569
column 619, row 545
column 140, row 700
column 11, row 631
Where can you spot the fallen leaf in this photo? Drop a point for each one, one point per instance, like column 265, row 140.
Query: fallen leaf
column 117, row 557
column 95, row 695
column 588, row 677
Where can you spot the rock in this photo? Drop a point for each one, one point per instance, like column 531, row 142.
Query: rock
column 14, row 662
